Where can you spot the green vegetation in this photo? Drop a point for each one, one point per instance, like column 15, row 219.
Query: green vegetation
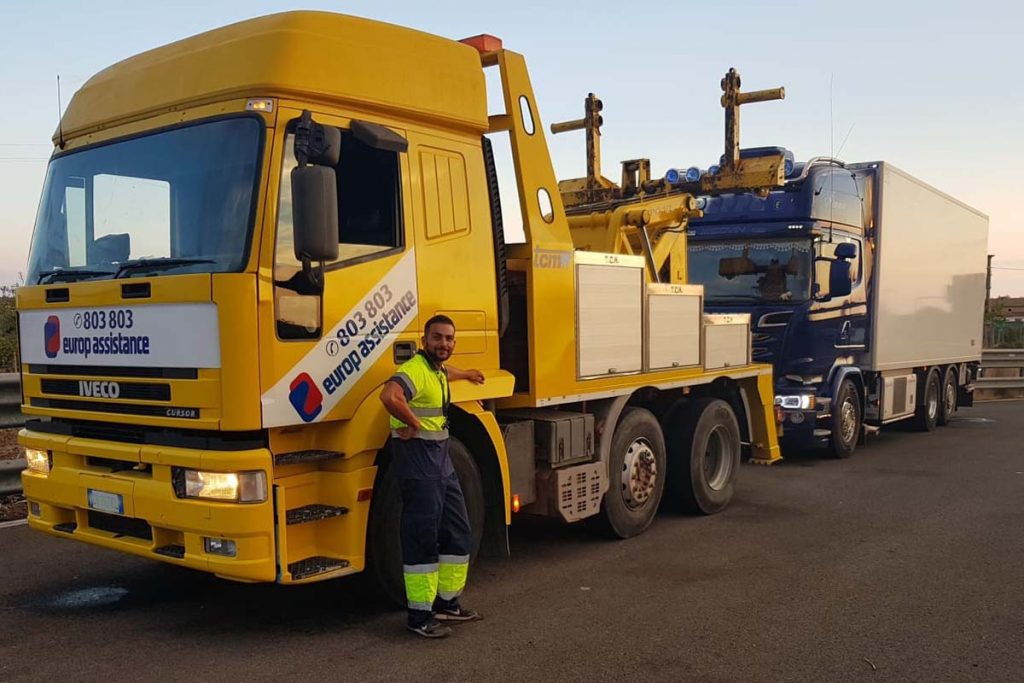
column 8, row 330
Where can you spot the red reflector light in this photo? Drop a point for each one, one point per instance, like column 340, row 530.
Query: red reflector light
column 515, row 502
column 364, row 495
column 483, row 43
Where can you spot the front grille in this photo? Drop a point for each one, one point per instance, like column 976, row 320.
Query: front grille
column 124, row 433
column 133, row 390
column 121, row 526
column 119, row 408
column 113, row 371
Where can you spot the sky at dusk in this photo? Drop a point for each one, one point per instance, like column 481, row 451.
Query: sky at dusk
column 929, row 87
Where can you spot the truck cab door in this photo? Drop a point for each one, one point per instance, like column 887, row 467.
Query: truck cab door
column 325, row 346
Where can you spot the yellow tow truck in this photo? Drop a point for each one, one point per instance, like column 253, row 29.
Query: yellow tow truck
column 239, row 238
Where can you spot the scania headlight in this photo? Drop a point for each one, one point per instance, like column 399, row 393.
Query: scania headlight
column 239, row 487
column 38, row 461
column 798, row 402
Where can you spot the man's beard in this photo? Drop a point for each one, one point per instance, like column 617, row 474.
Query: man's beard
column 433, row 357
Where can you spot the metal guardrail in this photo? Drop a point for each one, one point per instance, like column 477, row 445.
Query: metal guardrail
column 10, row 476
column 10, row 400
column 1001, row 359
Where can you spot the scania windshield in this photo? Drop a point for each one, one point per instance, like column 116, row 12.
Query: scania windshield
column 176, row 201
column 752, row 271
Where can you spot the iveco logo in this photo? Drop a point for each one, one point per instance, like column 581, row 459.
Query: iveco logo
column 99, row 389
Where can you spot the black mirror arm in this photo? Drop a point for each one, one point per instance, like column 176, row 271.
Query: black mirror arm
column 314, row 274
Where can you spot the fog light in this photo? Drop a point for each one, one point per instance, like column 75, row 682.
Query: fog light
column 241, row 487
column 796, row 418
column 220, row 546
column 38, row 461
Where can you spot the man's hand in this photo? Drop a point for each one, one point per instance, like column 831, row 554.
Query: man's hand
column 474, row 376
column 407, row 432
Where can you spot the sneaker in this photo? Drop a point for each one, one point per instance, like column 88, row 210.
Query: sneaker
column 456, row 614
column 431, row 629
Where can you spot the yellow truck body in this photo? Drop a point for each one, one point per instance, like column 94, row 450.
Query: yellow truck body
column 198, row 399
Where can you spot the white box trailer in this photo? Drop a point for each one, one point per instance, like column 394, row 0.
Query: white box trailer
column 928, row 298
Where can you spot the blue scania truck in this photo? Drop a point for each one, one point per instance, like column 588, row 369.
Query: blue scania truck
column 865, row 288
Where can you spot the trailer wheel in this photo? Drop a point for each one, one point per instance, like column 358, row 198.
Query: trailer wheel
column 384, row 545
column 949, row 391
column 704, row 448
column 846, row 417
column 927, row 415
column 636, row 473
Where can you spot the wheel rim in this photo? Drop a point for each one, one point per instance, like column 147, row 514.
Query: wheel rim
column 639, row 474
column 717, row 459
column 848, row 420
column 933, row 401
column 950, row 398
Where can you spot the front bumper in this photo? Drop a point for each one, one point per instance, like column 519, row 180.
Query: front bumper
column 155, row 522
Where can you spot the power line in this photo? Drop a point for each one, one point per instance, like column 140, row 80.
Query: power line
column 1005, row 268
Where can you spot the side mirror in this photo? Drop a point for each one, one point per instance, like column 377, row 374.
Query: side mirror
column 839, row 282
column 315, row 213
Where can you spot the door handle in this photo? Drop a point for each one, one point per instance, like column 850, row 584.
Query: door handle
column 403, row 351
column 844, row 332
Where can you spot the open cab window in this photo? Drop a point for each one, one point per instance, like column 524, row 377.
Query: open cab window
column 369, row 226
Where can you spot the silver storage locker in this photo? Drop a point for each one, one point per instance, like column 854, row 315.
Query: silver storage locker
column 726, row 341
column 673, row 326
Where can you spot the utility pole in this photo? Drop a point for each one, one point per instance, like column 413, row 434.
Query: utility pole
column 988, row 283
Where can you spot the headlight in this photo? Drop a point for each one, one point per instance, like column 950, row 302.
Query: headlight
column 800, row 402
column 239, row 487
column 37, row 460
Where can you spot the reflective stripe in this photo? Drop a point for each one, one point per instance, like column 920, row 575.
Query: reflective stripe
column 420, row 585
column 427, row 412
column 453, row 559
column 451, row 576
column 422, row 606
column 426, row 435
column 404, row 381
column 439, row 435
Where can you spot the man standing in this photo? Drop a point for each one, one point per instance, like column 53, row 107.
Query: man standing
column 436, row 537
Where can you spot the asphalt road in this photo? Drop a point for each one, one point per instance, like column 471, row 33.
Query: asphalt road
column 905, row 562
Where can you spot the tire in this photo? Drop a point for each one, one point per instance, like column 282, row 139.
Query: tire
column 846, row 421
column 949, row 396
column 704, row 455
column 636, row 474
column 927, row 415
column 384, row 544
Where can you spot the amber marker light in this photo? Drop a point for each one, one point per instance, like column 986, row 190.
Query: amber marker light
column 515, row 502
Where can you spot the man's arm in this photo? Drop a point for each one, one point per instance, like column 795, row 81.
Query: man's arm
column 474, row 376
column 393, row 398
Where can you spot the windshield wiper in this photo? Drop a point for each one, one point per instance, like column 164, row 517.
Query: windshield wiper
column 157, row 263
column 67, row 274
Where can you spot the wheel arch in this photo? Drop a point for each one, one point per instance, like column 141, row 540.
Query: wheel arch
column 479, row 431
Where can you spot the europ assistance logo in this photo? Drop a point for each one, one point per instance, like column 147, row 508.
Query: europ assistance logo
column 51, row 336
column 305, row 397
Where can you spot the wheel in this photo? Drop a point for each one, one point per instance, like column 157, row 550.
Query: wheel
column 846, row 417
column 704, row 455
column 927, row 415
column 636, row 473
column 384, row 544
column 949, row 391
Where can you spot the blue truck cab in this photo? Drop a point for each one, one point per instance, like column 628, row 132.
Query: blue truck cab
column 803, row 262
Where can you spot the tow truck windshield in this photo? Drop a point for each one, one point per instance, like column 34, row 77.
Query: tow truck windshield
column 176, row 201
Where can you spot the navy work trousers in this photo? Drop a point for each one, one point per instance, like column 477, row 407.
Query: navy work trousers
column 436, row 536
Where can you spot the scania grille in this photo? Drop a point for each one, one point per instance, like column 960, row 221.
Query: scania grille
column 132, row 390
